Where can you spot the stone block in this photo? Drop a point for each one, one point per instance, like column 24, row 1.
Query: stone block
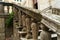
column 2, row 29
column 2, row 36
column 2, row 25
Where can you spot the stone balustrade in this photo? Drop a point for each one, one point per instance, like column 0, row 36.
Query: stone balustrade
column 29, row 20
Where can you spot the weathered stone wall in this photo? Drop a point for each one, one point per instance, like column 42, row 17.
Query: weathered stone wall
column 2, row 23
column 2, row 29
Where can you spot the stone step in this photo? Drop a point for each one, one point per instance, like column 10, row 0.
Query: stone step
column 29, row 39
column 23, row 32
column 25, row 39
column 52, row 36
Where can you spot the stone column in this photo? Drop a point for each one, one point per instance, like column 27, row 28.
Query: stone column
column 20, row 19
column 28, row 26
column 23, row 22
column 2, row 23
column 2, row 29
column 34, row 27
column 7, row 9
column 45, row 34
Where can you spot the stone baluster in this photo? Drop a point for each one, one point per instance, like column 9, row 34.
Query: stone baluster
column 28, row 26
column 45, row 34
column 53, row 10
column 34, row 27
column 23, row 22
column 7, row 9
column 20, row 19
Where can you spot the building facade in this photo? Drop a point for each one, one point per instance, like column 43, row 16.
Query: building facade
column 38, row 4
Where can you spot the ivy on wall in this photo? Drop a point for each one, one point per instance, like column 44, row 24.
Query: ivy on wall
column 9, row 20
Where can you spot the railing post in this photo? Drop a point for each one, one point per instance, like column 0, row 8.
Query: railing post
column 34, row 27
column 45, row 34
column 2, row 23
column 20, row 19
column 15, row 25
column 28, row 26
column 7, row 9
column 23, row 22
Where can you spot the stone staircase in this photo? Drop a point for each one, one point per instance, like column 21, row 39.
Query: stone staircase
column 23, row 35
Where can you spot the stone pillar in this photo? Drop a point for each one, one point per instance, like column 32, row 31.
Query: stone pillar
column 34, row 27
column 23, row 22
column 20, row 19
column 28, row 26
column 45, row 34
column 7, row 9
column 2, row 29
column 2, row 23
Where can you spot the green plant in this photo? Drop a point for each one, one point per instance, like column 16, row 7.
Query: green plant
column 9, row 20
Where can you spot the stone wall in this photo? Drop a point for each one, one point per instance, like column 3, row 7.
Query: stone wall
column 2, row 29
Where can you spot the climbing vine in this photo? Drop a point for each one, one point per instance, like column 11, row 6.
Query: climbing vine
column 9, row 20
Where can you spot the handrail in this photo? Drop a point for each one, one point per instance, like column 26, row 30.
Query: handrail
column 46, row 9
column 52, row 21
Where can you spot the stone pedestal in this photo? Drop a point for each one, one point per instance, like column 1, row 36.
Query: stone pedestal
column 24, row 22
column 34, row 31
column 20, row 19
column 28, row 26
